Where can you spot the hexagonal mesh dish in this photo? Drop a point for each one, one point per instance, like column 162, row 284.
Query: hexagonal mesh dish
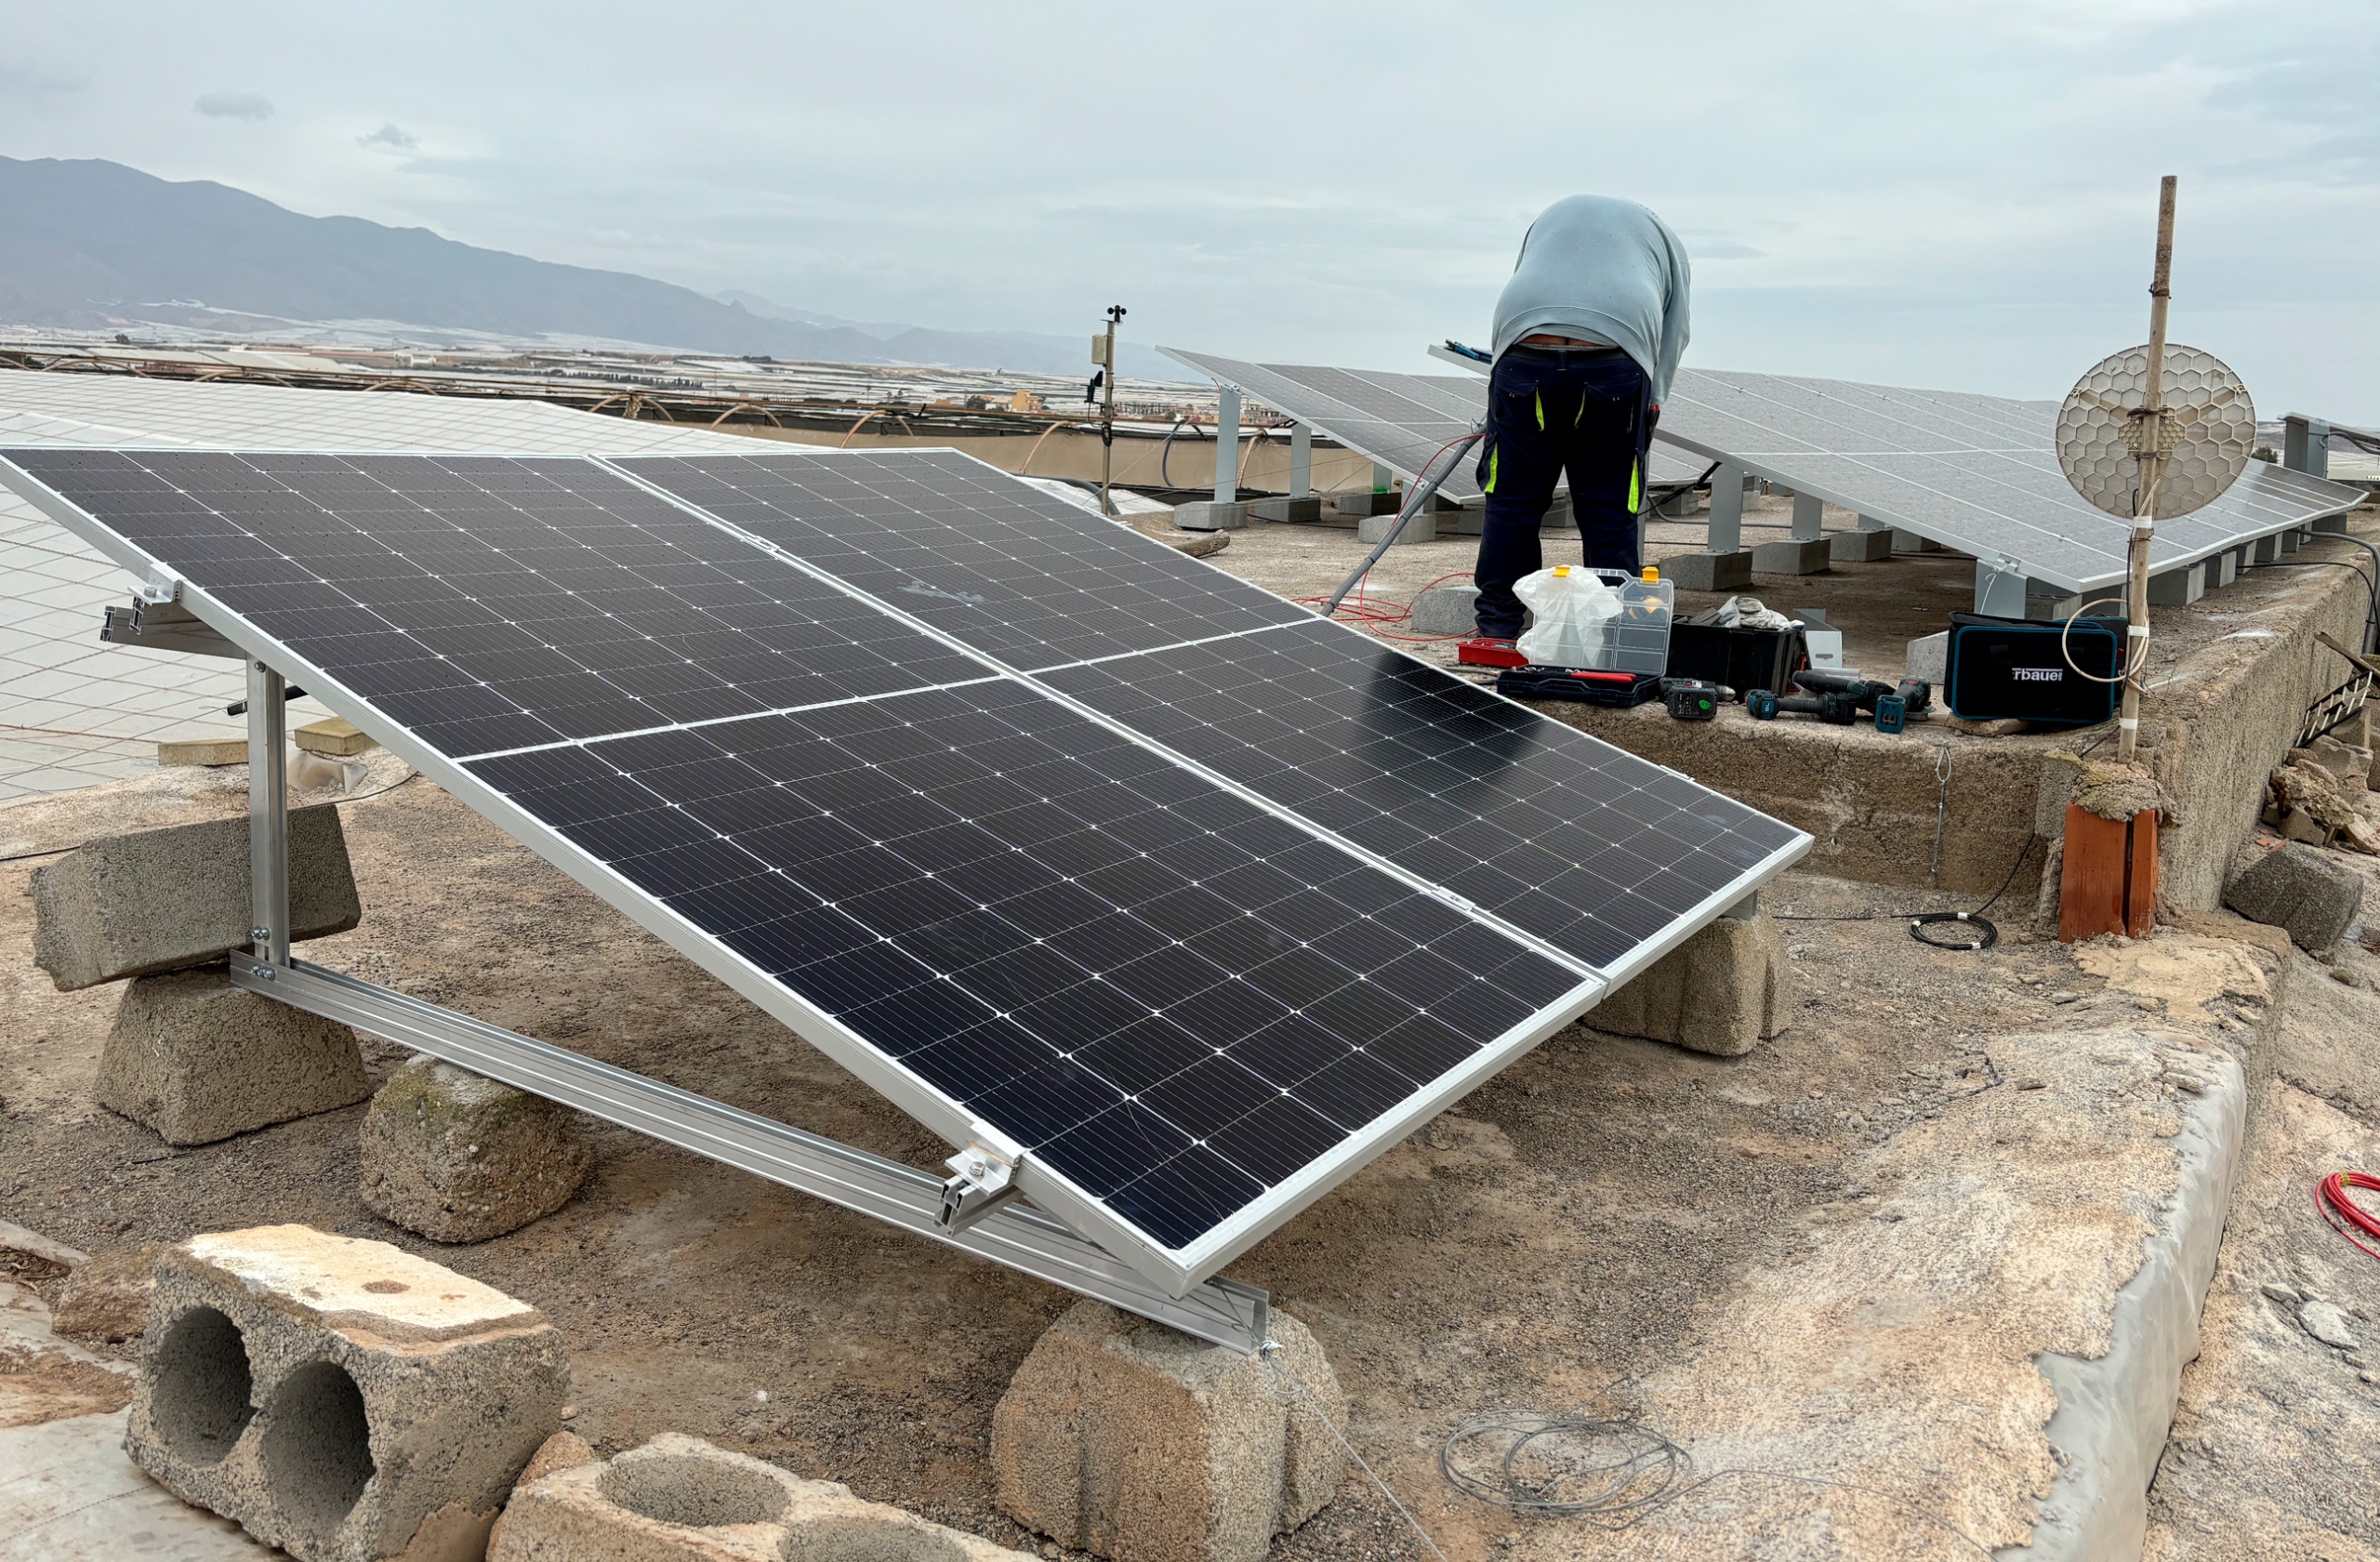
column 2207, row 445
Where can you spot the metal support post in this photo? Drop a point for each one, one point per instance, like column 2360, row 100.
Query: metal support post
column 1382, row 479
column 1226, row 446
column 1809, row 514
column 1998, row 592
column 1727, row 510
column 1002, row 1230
column 2306, row 444
column 267, row 814
column 1869, row 523
column 1301, row 460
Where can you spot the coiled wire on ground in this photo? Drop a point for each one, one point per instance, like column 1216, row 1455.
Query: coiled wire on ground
column 2343, row 1213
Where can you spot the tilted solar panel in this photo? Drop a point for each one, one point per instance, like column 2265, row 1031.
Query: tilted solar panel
column 1192, row 1004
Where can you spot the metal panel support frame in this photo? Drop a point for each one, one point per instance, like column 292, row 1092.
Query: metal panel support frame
column 999, row 1229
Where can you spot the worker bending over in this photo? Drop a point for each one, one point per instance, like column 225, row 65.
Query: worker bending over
column 1588, row 333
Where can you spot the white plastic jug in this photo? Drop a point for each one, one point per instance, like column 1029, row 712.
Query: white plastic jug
column 1576, row 613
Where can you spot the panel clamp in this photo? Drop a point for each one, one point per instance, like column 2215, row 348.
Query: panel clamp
column 981, row 1181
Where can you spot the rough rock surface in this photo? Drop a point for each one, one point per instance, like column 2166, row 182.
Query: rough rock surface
column 1124, row 1437
column 108, row 1299
column 198, row 1060
column 2298, row 887
column 460, row 1159
column 1723, row 991
column 679, row 1499
column 340, row 1398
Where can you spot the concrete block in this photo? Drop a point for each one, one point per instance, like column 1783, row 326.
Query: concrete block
column 341, row 1400
column 1910, row 542
column 460, row 1159
column 1723, row 991
column 335, row 739
column 679, row 1499
column 2301, row 888
column 1421, row 528
column 1206, row 515
column 1860, row 548
column 203, row 751
column 2177, row 588
column 1801, row 556
column 1287, row 509
column 166, row 899
column 1708, row 572
column 108, row 1298
column 1929, row 658
column 1124, row 1437
column 2265, row 550
column 196, row 1059
column 1446, row 610
column 1364, row 502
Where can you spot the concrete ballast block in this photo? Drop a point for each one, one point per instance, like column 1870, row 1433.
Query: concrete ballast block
column 203, row 751
column 1365, row 502
column 461, row 1158
column 1206, row 515
column 1859, row 547
column 340, row 1399
column 335, row 739
column 679, row 1499
column 1929, row 658
column 1421, row 528
column 196, row 1059
column 1124, row 1437
column 1797, row 556
column 167, row 899
column 2301, row 888
column 1446, row 610
column 1286, row 509
column 1723, row 991
column 1709, row 572
column 1910, row 542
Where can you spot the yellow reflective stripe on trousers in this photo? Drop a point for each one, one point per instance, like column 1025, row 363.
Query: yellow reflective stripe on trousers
column 1541, row 411
column 1492, row 453
column 1635, row 487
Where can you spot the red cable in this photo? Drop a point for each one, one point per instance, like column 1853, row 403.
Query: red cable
column 2345, row 1215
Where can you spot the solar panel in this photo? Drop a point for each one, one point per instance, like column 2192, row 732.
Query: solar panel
column 1976, row 473
column 1190, row 998
column 1400, row 421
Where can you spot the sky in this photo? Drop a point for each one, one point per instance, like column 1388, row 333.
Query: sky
column 1952, row 195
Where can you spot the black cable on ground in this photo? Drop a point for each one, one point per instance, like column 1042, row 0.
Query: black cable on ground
column 1918, row 922
column 334, row 803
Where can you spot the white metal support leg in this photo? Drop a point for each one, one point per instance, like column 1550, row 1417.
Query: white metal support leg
column 1301, row 460
column 1226, row 446
column 1727, row 510
column 1809, row 514
column 267, row 814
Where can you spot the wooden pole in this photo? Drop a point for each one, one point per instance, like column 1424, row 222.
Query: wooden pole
column 2149, row 453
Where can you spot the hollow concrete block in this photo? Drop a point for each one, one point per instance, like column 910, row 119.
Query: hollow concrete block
column 1124, row 1437
column 2301, row 888
column 167, row 899
column 1859, row 547
column 340, row 1398
column 460, row 1159
column 679, row 1499
column 1723, row 991
column 196, row 1059
column 1206, row 515
column 1709, row 572
column 1795, row 556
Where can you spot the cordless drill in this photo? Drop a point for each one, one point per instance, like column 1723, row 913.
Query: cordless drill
column 1892, row 705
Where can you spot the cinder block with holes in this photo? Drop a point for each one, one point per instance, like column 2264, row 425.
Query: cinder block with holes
column 340, row 1398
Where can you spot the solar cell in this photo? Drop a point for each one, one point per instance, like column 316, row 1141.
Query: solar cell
column 1595, row 851
column 1400, row 421
column 1976, row 473
column 1001, row 567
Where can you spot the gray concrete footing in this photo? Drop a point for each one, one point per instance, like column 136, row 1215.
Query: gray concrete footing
column 166, row 899
column 1723, row 991
column 340, row 1398
column 1421, row 528
column 1127, row 1438
column 1859, row 547
column 1206, row 515
column 457, row 1157
column 679, row 1499
column 197, row 1059
column 1797, row 556
column 1709, row 572
column 1446, row 610
column 1910, row 542
column 1286, row 509
column 1364, row 502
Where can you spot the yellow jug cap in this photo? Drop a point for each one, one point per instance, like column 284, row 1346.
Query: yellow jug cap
column 1561, row 572
column 1652, row 575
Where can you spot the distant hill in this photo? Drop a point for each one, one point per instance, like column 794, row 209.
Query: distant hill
column 89, row 243
column 1035, row 351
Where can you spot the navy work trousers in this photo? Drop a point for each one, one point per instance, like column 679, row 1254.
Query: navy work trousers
column 1551, row 410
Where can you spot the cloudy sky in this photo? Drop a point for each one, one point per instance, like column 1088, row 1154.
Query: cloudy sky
column 1946, row 195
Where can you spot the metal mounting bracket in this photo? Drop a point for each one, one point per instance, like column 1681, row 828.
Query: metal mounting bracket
column 989, row 1221
column 163, row 625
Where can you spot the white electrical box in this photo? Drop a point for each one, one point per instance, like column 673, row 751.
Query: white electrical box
column 1099, row 350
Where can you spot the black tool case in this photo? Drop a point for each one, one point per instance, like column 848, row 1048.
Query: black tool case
column 1999, row 669
column 1742, row 659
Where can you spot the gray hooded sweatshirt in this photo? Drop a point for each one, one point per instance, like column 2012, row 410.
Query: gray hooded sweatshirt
column 1607, row 270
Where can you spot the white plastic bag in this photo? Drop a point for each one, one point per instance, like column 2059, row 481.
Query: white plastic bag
column 1576, row 613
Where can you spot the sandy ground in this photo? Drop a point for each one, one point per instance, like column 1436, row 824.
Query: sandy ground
column 1875, row 1215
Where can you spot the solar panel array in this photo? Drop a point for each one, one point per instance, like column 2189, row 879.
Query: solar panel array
column 1976, row 473
column 1083, row 900
column 1400, row 421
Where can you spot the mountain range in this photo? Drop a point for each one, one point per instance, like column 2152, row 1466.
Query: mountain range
column 96, row 246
